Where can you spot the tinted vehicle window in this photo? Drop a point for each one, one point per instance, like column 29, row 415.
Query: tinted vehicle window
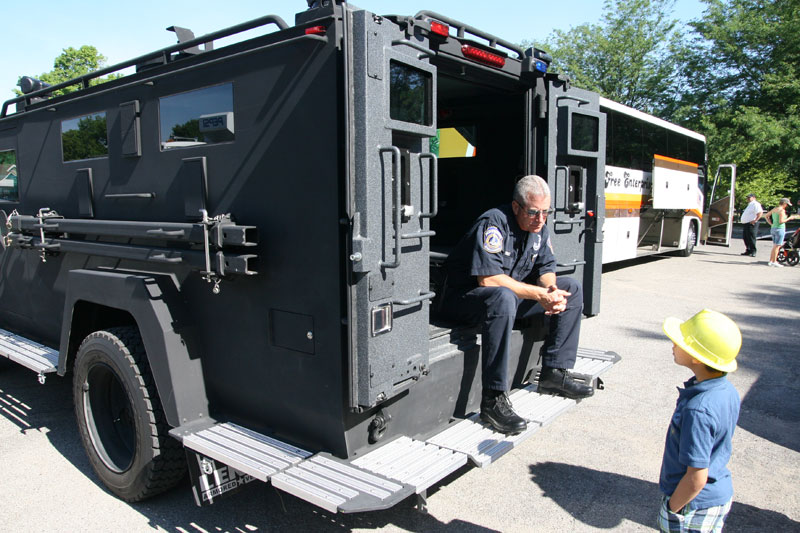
column 84, row 137
column 585, row 132
column 410, row 94
column 194, row 118
column 9, row 190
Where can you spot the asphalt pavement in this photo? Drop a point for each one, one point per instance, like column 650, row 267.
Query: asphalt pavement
column 594, row 469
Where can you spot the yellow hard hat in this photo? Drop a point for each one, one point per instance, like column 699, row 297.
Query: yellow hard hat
column 710, row 337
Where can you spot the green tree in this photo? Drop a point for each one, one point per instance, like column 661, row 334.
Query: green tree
column 73, row 63
column 742, row 90
column 629, row 57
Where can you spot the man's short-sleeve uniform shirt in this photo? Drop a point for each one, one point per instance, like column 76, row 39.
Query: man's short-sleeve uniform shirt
column 495, row 244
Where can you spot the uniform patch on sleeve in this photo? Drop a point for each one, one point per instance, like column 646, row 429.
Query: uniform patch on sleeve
column 492, row 240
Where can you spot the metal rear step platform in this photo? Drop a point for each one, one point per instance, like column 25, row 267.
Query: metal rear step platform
column 396, row 470
column 37, row 357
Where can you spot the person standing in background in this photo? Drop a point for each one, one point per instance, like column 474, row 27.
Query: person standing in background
column 778, row 228
column 751, row 218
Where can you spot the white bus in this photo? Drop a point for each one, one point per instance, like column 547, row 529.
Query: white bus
column 655, row 180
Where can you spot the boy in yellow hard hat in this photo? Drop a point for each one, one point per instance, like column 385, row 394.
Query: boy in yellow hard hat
column 695, row 482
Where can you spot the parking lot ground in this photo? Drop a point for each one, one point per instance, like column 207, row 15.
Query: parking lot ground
column 594, row 469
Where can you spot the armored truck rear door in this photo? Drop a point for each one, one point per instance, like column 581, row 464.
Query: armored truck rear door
column 391, row 115
column 577, row 146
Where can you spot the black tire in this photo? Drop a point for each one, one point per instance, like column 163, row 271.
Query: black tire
column 792, row 259
column 120, row 418
column 691, row 240
column 782, row 255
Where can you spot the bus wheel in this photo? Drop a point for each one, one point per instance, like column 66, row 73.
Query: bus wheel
column 691, row 239
column 120, row 418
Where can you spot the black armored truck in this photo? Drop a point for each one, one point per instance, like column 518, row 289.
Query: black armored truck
column 236, row 251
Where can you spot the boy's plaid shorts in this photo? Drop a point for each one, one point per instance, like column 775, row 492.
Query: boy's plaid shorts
column 701, row 520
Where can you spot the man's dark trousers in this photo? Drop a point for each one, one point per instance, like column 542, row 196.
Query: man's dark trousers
column 496, row 309
column 750, row 237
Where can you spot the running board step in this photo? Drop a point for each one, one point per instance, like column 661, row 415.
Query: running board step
column 29, row 354
column 321, row 479
column 593, row 363
column 483, row 445
column 336, row 485
column 245, row 450
column 414, row 462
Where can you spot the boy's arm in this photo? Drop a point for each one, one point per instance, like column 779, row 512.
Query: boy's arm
column 688, row 488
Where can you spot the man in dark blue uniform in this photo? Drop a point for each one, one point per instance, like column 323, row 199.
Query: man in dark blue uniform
column 504, row 269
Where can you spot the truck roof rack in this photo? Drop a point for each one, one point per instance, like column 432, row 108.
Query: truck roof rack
column 162, row 54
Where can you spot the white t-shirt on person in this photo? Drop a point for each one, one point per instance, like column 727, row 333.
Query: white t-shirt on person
column 752, row 210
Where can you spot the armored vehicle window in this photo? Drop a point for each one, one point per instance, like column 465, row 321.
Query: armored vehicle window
column 585, row 131
column 8, row 176
column 203, row 116
column 84, row 137
column 410, row 97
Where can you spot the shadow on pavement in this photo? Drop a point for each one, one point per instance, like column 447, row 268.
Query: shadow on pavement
column 605, row 500
column 771, row 350
column 257, row 507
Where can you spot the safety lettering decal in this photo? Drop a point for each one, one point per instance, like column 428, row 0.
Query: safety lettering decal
column 492, row 240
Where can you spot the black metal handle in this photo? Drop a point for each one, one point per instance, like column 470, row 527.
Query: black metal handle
column 421, row 298
column 397, row 219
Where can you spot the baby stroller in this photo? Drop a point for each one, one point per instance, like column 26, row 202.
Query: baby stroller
column 789, row 253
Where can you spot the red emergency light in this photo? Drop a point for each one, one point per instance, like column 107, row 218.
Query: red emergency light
column 482, row 56
column 440, row 29
column 316, row 30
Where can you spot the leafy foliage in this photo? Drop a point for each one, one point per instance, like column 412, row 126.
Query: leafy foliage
column 735, row 77
column 744, row 92
column 629, row 57
column 73, row 63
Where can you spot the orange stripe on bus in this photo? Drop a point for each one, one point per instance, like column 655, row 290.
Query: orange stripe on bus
column 671, row 160
column 625, row 201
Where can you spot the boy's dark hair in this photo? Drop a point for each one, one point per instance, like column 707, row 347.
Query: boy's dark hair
column 714, row 370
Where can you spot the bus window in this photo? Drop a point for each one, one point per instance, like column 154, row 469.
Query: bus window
column 677, row 148
column 9, row 190
column 84, row 137
column 696, row 151
column 655, row 141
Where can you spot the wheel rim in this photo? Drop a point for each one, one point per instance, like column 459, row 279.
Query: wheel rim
column 690, row 238
column 109, row 420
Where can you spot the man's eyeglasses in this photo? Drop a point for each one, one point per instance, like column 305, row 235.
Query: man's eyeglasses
column 534, row 213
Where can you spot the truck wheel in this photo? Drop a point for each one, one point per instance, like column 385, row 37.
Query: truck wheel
column 120, row 418
column 691, row 238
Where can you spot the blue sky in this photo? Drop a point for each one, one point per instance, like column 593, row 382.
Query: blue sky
column 36, row 32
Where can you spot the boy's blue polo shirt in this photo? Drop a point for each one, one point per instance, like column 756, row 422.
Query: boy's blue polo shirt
column 699, row 436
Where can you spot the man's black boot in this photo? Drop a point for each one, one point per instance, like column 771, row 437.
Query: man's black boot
column 558, row 381
column 496, row 411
